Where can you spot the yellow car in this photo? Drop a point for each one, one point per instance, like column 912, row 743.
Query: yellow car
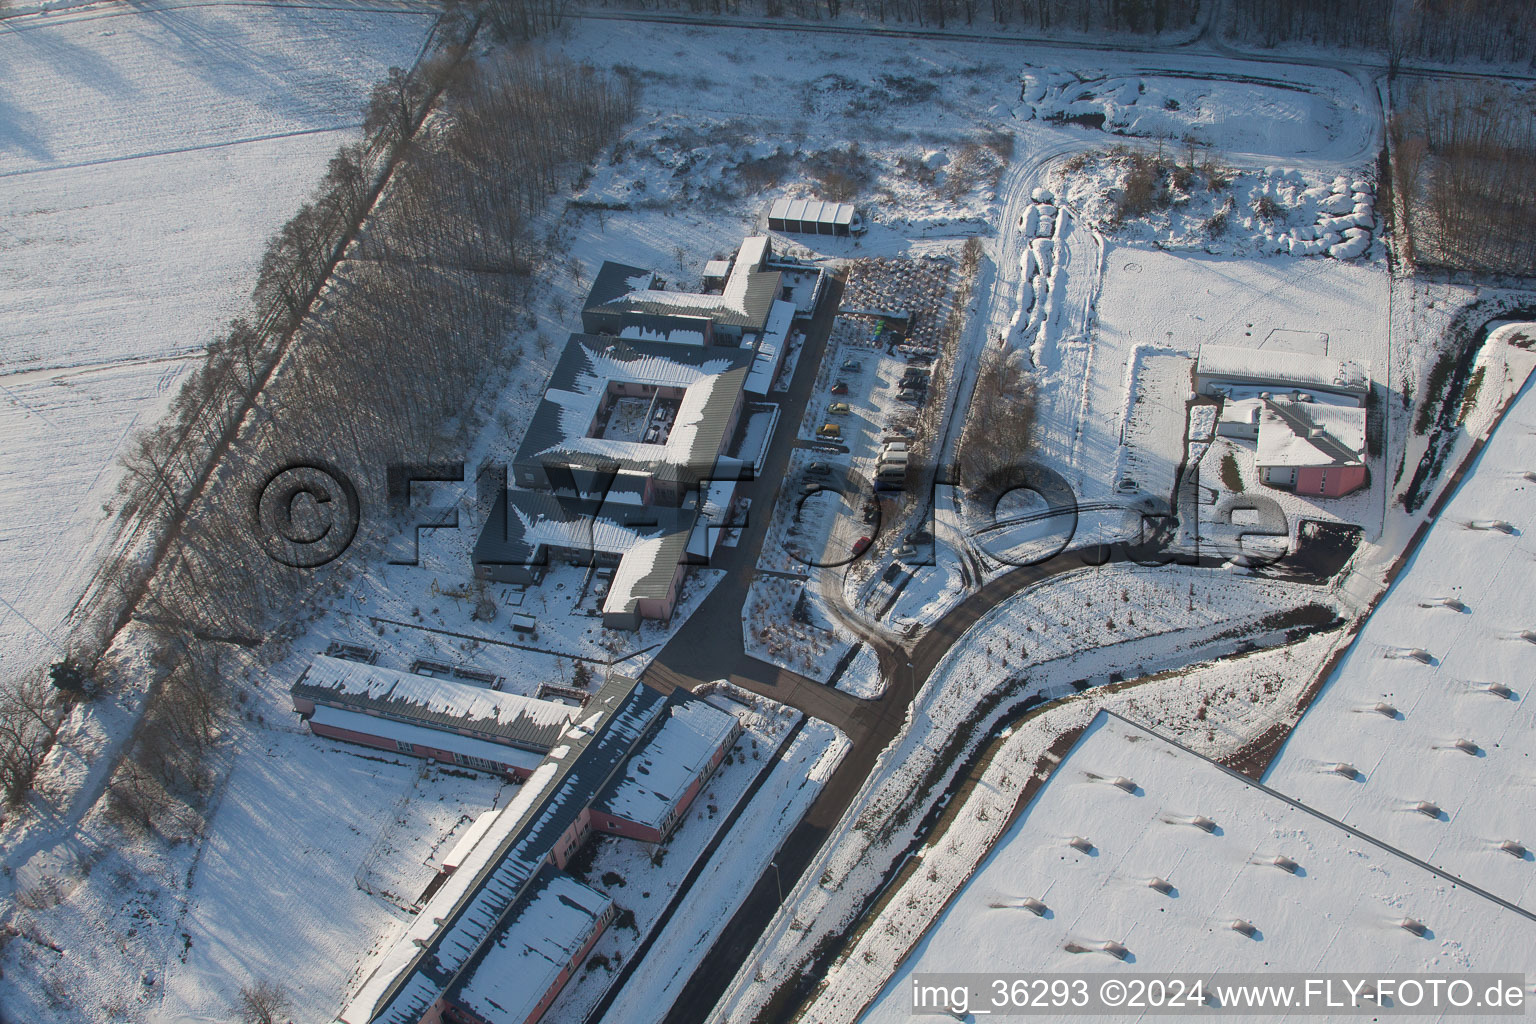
column 829, row 430
column 839, row 409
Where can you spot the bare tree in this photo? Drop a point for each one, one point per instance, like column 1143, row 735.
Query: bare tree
column 263, row 1002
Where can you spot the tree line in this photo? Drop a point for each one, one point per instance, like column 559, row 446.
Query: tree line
column 1086, row 16
column 1442, row 31
column 410, row 328
column 1463, row 167
column 380, row 312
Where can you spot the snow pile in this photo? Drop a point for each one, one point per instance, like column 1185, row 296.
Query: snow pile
column 1195, row 204
column 1040, row 226
column 1251, row 117
column 1346, row 221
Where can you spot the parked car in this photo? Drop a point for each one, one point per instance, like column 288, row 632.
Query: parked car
column 919, row 537
column 839, row 409
column 860, row 546
column 851, row 366
column 817, row 469
column 829, row 430
column 840, row 388
column 906, row 551
column 914, row 397
column 919, row 359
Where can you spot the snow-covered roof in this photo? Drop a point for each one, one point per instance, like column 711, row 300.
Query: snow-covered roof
column 440, row 739
column 1310, row 434
column 1132, row 798
column 675, row 336
column 647, row 571
column 522, row 523
column 1464, row 600
column 624, row 291
column 550, row 926
column 656, row 777
column 470, row 907
column 466, row 843
column 710, row 377
column 439, row 704
column 812, row 211
column 1233, row 363
column 770, row 348
column 1243, row 411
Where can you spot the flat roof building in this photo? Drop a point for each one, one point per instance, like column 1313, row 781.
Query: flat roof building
column 501, row 933
column 1231, row 370
column 813, row 217
column 427, row 717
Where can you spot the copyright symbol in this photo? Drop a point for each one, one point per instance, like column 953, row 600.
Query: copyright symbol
column 306, row 515
column 1112, row 992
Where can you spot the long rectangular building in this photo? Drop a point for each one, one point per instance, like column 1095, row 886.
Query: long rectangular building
column 489, row 945
column 426, row 717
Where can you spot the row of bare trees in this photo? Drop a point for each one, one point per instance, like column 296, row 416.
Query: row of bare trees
column 1000, row 423
column 1464, row 173
column 410, row 328
column 1450, row 31
column 1087, row 16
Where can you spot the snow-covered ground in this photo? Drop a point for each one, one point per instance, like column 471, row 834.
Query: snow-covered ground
column 1059, row 626
column 1175, row 895
column 156, row 931
column 811, row 642
column 1442, row 765
column 146, row 155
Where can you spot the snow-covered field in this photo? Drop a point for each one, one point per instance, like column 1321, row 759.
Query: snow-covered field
column 166, row 932
column 146, row 155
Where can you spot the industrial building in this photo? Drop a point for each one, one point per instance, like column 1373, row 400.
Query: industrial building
column 1306, row 414
column 455, row 723
column 814, row 217
column 502, row 932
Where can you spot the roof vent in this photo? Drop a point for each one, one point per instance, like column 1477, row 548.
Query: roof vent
column 1498, row 525
column 1455, row 604
column 1418, row 654
column 1243, row 928
column 1467, row 746
column 1034, row 906
column 1285, row 863
column 1080, row 844
column 1514, row 849
column 1114, row 949
column 1161, row 885
column 1413, row 927
column 1500, row 690
column 1123, row 783
column 1384, row 709
column 1203, row 823
column 1428, row 808
column 1345, row 769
